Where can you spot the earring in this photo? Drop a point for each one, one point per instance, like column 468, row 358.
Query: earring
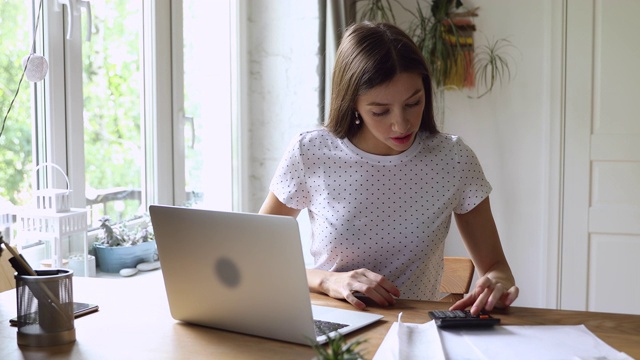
column 357, row 118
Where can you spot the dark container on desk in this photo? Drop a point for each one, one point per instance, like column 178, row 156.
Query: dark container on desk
column 45, row 308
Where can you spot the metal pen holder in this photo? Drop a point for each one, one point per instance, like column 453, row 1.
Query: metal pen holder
column 45, row 308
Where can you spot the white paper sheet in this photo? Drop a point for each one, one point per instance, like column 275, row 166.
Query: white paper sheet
column 554, row 342
column 529, row 342
column 406, row 341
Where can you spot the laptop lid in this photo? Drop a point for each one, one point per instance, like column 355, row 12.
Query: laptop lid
column 240, row 272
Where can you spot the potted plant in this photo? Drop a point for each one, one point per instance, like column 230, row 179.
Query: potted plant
column 442, row 30
column 122, row 246
column 338, row 348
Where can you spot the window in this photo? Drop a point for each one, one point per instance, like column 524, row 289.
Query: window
column 207, row 99
column 113, row 109
column 16, row 140
column 123, row 112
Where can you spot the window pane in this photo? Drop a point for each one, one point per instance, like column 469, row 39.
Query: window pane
column 15, row 141
column 207, row 101
column 114, row 151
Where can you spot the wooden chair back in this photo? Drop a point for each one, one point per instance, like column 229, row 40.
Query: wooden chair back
column 456, row 277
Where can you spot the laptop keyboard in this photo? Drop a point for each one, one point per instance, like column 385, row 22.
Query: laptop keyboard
column 326, row 327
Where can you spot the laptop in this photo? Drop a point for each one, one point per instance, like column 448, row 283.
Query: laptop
column 245, row 273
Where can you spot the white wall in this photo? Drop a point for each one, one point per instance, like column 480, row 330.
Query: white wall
column 283, row 89
column 508, row 129
column 283, row 83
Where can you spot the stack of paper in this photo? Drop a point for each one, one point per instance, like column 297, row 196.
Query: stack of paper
column 426, row 342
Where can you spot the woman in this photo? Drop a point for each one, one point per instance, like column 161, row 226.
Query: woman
column 380, row 183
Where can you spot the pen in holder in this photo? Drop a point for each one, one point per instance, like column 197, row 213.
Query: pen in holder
column 44, row 303
column 45, row 308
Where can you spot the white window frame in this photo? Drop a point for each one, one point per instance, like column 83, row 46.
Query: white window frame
column 239, row 71
column 63, row 110
column 59, row 134
column 240, row 126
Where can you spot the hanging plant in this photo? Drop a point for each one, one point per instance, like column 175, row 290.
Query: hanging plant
column 443, row 31
column 492, row 64
column 378, row 11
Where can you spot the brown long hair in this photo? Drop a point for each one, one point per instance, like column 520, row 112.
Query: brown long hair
column 371, row 54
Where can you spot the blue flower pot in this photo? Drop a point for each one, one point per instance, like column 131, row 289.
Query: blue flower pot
column 114, row 259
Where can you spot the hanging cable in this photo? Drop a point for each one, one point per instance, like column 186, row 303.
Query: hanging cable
column 24, row 69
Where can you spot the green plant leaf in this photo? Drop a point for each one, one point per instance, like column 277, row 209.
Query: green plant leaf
column 492, row 64
column 337, row 348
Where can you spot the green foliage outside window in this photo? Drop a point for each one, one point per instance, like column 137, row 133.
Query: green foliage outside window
column 112, row 101
column 15, row 143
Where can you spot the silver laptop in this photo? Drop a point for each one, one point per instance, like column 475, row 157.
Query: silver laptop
column 244, row 273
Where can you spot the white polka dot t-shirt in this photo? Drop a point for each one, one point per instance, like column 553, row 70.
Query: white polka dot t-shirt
column 389, row 214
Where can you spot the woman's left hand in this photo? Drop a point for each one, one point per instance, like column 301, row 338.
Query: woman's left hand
column 487, row 294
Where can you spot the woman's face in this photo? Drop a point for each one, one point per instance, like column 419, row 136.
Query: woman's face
column 390, row 115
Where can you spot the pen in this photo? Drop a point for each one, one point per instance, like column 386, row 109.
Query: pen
column 25, row 265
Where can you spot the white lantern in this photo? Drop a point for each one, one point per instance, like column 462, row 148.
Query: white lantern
column 62, row 229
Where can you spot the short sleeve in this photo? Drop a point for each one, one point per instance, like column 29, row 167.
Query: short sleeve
column 474, row 186
column 289, row 182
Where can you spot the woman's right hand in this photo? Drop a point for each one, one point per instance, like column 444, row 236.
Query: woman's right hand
column 343, row 285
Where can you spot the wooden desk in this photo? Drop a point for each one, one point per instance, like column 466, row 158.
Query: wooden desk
column 134, row 323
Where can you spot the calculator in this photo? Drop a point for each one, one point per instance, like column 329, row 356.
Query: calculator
column 462, row 319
